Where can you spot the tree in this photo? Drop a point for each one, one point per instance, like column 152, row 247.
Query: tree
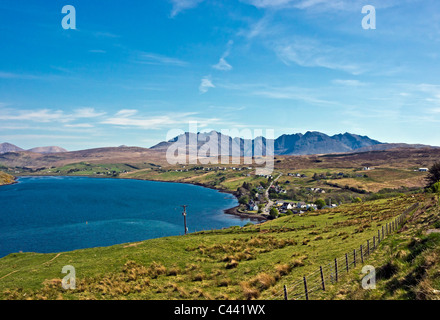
column 244, row 200
column 264, row 184
column 273, row 213
column 289, row 212
column 434, row 174
column 247, row 186
column 320, row 203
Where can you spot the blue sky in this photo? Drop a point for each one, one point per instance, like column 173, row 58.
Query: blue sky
column 133, row 70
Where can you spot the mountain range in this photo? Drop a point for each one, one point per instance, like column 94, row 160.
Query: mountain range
column 310, row 143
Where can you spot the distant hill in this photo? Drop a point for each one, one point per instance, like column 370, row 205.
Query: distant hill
column 389, row 146
column 47, row 150
column 293, row 144
column 98, row 155
column 7, row 147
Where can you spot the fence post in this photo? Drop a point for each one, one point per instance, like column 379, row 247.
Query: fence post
column 382, row 234
column 368, row 247
column 378, row 236
column 354, row 257
column 336, row 269
column 322, row 279
column 346, row 260
column 362, row 255
column 305, row 289
column 374, row 242
column 285, row 293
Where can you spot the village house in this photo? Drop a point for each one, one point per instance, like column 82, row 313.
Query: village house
column 287, row 206
column 252, row 206
column 317, row 190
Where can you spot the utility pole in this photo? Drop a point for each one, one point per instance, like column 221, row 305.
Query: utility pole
column 184, row 217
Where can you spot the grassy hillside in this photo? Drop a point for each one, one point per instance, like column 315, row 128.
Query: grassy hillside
column 5, row 178
column 407, row 264
column 235, row 263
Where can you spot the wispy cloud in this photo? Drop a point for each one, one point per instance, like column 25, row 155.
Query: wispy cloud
column 304, row 94
column 223, row 65
column 79, row 125
column 28, row 76
column 320, row 5
column 48, row 115
column 130, row 118
column 86, row 113
column 157, row 59
column 349, row 82
column 292, row 93
column 181, row 5
column 11, row 75
column 101, row 34
column 312, row 53
column 206, row 84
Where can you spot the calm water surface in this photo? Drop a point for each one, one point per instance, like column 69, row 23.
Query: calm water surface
column 53, row 214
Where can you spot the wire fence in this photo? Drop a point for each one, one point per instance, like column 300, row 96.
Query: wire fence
column 332, row 272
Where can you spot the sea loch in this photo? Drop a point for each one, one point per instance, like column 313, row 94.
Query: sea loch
column 53, row 214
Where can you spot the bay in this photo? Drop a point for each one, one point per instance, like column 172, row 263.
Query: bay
column 56, row 214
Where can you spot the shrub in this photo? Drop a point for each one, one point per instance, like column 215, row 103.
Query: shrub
column 357, row 200
column 320, row 203
column 436, row 187
column 274, row 213
column 434, row 174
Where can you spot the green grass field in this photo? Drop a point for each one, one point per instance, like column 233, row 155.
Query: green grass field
column 253, row 262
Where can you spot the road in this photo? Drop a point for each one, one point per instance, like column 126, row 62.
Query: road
column 269, row 203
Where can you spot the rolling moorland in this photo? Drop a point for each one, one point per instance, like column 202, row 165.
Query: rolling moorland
column 253, row 262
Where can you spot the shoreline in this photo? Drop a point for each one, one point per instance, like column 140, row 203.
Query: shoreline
column 10, row 183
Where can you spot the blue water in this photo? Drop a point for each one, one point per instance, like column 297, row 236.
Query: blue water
column 54, row 214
